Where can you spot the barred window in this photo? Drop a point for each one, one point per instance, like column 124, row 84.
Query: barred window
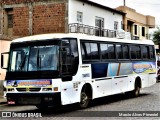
column 79, row 17
column 115, row 25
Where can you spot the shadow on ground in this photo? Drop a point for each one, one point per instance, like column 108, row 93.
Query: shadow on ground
column 70, row 110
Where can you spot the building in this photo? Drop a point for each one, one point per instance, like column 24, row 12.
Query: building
column 137, row 24
column 94, row 19
column 20, row 18
column 23, row 18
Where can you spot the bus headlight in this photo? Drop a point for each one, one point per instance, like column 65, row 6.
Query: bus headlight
column 47, row 89
column 10, row 89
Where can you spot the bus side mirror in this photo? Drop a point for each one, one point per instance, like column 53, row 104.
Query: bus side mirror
column 4, row 60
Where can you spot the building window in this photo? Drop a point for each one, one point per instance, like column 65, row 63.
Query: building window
column 9, row 16
column 79, row 17
column 135, row 29
column 122, row 26
column 99, row 24
column 143, row 31
column 10, row 20
column 115, row 25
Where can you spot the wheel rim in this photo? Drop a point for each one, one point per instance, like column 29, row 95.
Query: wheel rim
column 84, row 100
column 137, row 91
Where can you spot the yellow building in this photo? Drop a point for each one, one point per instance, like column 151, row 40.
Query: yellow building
column 137, row 24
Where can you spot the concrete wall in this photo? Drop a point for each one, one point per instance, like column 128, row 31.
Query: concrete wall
column 138, row 19
column 1, row 88
column 151, row 21
column 4, row 47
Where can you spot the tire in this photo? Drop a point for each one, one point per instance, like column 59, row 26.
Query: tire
column 136, row 91
column 42, row 107
column 84, row 100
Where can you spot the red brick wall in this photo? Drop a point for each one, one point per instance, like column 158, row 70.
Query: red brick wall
column 1, row 27
column 49, row 18
column 20, row 21
column 19, row 1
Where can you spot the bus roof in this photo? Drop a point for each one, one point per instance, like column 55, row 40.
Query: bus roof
column 79, row 36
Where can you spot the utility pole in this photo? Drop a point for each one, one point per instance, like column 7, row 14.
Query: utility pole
column 124, row 1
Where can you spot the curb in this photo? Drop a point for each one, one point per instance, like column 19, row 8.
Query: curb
column 1, row 103
column 3, row 100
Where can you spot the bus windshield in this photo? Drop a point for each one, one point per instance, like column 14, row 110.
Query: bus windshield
column 34, row 58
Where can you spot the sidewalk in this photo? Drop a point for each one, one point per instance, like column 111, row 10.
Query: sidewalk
column 2, row 100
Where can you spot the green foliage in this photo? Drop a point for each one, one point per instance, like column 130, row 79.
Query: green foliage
column 156, row 36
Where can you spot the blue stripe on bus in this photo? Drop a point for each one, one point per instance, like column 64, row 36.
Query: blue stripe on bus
column 99, row 70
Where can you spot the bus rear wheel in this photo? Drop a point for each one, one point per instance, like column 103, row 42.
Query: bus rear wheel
column 84, row 100
column 136, row 91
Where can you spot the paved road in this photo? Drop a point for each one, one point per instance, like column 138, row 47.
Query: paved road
column 149, row 100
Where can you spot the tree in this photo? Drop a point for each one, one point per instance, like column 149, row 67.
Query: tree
column 156, row 37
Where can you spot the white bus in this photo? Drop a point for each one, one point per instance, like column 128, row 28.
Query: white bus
column 60, row 69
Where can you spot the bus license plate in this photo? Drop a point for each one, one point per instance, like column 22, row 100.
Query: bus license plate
column 30, row 100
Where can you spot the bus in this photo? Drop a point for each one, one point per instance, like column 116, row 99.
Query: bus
column 59, row 69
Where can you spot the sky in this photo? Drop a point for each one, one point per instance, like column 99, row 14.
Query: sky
column 145, row 7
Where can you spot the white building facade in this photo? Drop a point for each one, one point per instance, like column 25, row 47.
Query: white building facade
column 93, row 18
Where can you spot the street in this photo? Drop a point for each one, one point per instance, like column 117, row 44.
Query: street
column 149, row 100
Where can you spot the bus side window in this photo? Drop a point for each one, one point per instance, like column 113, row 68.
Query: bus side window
column 135, row 52
column 145, row 52
column 151, row 52
column 74, row 55
column 107, row 51
column 70, row 57
column 125, row 51
column 111, row 51
column 90, row 51
column 83, row 53
column 87, row 50
column 104, row 52
column 119, row 51
column 94, row 51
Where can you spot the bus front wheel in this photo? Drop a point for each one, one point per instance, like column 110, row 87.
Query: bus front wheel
column 42, row 107
column 84, row 100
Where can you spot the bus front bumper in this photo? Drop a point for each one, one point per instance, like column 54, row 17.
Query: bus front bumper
column 34, row 98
